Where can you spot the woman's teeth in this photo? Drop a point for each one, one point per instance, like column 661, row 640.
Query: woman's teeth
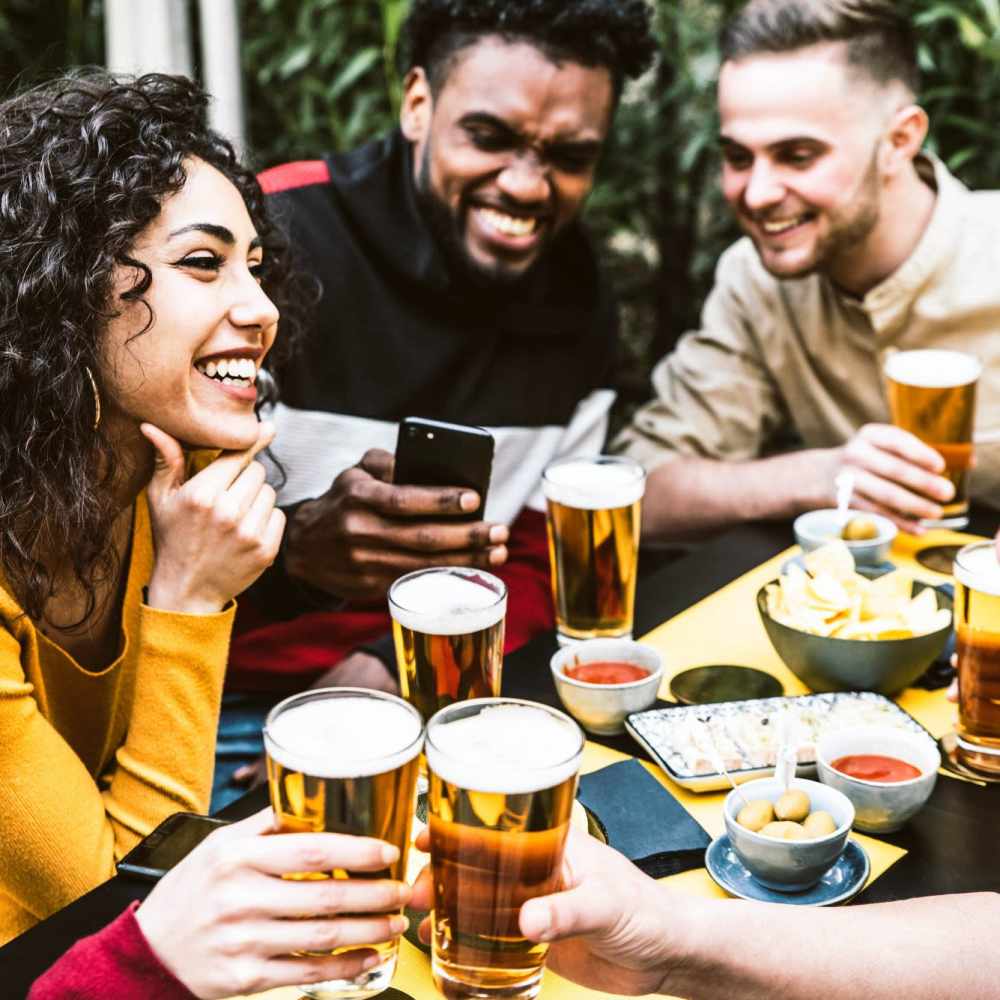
column 230, row 371
column 508, row 225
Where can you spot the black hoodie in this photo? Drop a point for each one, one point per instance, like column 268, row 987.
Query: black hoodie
column 395, row 335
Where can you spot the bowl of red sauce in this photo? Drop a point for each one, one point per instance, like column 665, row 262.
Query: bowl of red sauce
column 887, row 773
column 601, row 681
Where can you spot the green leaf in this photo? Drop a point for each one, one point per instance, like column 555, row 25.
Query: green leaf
column 991, row 8
column 295, row 61
column 958, row 160
column 359, row 65
column 971, row 33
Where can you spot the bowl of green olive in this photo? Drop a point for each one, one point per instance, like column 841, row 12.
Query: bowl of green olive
column 787, row 838
column 867, row 535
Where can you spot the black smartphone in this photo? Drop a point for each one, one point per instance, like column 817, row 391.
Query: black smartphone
column 435, row 453
column 169, row 843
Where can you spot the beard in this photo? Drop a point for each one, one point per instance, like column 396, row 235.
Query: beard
column 848, row 230
column 448, row 230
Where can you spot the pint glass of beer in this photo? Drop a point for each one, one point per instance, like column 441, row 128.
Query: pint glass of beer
column 502, row 781
column 977, row 626
column 345, row 760
column 593, row 529
column 932, row 394
column 448, row 629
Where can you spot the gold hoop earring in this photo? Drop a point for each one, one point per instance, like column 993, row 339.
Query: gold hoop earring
column 97, row 397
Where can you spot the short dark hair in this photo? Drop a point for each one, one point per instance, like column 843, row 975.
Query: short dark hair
column 86, row 162
column 614, row 34
column 878, row 34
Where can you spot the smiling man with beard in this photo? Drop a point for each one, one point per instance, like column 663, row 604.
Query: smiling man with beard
column 458, row 285
column 858, row 244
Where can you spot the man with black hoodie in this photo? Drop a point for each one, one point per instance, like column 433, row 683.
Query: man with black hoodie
column 459, row 285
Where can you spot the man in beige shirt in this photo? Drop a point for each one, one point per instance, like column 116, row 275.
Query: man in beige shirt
column 857, row 245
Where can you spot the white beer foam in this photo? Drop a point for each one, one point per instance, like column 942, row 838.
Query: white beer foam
column 505, row 748
column 933, row 369
column 443, row 603
column 344, row 737
column 589, row 485
column 979, row 570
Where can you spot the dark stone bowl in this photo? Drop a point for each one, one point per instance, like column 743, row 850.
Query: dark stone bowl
column 824, row 663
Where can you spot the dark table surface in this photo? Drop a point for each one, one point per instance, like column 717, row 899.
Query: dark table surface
column 950, row 844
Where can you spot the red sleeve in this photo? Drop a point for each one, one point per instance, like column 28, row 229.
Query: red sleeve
column 526, row 573
column 115, row 962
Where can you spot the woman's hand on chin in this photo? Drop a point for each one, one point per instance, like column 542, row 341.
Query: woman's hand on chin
column 216, row 532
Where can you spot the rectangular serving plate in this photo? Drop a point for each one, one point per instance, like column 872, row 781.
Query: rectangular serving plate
column 648, row 729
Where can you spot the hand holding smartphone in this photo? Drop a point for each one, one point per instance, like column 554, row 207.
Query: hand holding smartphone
column 436, row 453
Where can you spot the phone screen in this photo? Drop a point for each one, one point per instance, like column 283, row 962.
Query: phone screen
column 169, row 843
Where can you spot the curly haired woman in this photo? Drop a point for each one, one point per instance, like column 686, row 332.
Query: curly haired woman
column 136, row 287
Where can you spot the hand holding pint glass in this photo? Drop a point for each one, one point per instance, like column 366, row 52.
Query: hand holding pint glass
column 593, row 528
column 977, row 627
column 502, row 781
column 932, row 394
column 345, row 760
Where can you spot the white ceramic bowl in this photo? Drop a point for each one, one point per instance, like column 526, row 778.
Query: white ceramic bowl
column 880, row 807
column 602, row 708
column 817, row 527
column 788, row 865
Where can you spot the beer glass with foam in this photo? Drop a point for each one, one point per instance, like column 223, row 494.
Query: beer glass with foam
column 502, row 781
column 593, row 530
column 448, row 626
column 345, row 760
column 932, row 394
column 977, row 628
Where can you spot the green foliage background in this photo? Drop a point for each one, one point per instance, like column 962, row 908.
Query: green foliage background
column 321, row 75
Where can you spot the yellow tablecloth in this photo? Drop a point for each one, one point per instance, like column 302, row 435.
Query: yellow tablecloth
column 691, row 639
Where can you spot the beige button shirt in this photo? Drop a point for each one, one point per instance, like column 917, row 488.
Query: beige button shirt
column 799, row 356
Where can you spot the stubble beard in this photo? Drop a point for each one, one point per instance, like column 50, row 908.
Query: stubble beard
column 846, row 234
column 447, row 230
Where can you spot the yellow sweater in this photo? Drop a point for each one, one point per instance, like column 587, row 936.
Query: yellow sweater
column 91, row 762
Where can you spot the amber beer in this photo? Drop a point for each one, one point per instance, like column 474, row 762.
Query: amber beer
column 448, row 626
column 593, row 529
column 932, row 394
column 345, row 760
column 977, row 625
column 503, row 777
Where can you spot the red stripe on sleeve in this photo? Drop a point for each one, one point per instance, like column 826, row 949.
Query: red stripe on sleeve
column 300, row 173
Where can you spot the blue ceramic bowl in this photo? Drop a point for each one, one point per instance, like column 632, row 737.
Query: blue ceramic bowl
column 788, row 865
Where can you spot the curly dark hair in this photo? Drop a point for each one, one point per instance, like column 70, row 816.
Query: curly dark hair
column 86, row 162
column 615, row 34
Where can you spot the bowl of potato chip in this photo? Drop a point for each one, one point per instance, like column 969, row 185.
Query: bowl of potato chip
column 867, row 536
column 840, row 630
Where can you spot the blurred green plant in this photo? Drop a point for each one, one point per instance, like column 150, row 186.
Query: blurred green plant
column 321, row 75
column 41, row 37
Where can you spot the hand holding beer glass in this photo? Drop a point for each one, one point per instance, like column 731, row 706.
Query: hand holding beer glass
column 977, row 627
column 345, row 760
column 593, row 528
column 502, row 782
column 448, row 627
column 932, row 394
